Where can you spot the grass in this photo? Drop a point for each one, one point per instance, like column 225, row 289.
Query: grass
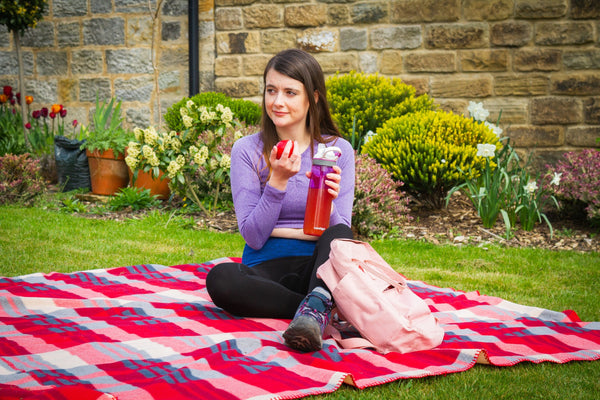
column 39, row 240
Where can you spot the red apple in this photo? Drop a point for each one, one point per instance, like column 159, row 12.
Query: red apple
column 281, row 148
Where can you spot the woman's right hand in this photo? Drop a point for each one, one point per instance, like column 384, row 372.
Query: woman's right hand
column 284, row 168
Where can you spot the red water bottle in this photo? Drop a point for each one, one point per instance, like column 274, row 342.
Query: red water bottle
column 318, row 202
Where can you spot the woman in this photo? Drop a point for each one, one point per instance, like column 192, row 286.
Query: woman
column 277, row 276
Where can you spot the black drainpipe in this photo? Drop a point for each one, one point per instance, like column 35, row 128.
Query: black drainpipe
column 194, row 59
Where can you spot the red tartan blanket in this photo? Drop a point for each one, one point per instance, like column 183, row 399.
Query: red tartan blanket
column 151, row 332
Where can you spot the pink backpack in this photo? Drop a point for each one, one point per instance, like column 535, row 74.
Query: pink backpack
column 376, row 301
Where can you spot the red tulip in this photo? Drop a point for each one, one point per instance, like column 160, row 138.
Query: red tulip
column 44, row 112
column 75, row 123
column 36, row 114
column 63, row 112
column 28, row 125
column 8, row 91
column 52, row 114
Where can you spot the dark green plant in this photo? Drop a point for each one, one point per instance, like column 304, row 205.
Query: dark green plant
column 20, row 179
column 362, row 103
column 134, row 198
column 106, row 132
column 243, row 110
column 430, row 151
column 72, row 205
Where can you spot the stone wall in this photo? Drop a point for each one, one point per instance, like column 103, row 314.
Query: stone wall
column 535, row 61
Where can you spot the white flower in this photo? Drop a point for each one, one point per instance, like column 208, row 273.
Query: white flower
column 150, row 136
column 369, row 135
column 139, row 134
column 183, row 111
column 496, row 129
column 477, row 112
column 225, row 162
column 443, row 161
column 531, row 187
column 238, row 135
column 227, row 115
column 131, row 161
column 556, row 179
column 485, row 150
column 190, row 104
column 187, row 121
column 173, row 168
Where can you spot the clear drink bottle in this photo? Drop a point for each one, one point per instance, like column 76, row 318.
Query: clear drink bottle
column 318, row 201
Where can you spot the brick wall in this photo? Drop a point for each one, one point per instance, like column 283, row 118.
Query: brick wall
column 536, row 61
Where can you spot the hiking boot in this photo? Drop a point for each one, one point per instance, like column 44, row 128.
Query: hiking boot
column 305, row 332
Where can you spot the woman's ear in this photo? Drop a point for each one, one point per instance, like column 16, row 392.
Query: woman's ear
column 316, row 96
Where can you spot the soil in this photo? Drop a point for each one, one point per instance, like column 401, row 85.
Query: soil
column 457, row 224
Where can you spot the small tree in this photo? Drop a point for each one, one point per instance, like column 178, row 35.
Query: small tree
column 18, row 16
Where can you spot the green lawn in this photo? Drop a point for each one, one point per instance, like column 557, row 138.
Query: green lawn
column 38, row 240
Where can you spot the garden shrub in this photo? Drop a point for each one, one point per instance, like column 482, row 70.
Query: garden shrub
column 20, row 179
column 579, row 187
column 134, row 198
column 361, row 103
column 243, row 110
column 379, row 203
column 430, row 151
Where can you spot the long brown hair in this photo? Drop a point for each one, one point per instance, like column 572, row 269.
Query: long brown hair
column 301, row 66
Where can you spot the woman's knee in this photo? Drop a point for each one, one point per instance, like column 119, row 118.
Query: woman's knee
column 221, row 281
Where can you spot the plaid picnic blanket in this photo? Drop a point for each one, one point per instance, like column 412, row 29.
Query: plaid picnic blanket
column 151, row 332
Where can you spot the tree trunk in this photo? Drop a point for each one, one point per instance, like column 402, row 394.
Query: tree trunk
column 21, row 86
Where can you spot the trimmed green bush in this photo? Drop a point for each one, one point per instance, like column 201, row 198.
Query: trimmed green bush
column 361, row 103
column 428, row 150
column 243, row 110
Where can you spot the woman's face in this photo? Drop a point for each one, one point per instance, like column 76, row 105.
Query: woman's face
column 286, row 103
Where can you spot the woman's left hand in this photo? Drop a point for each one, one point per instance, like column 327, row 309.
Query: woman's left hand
column 332, row 181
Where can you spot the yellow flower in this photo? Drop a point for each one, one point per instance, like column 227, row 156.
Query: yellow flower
column 187, row 121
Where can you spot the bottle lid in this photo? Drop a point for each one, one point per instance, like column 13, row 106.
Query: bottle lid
column 326, row 155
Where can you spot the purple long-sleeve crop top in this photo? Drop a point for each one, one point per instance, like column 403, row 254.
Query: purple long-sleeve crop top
column 260, row 207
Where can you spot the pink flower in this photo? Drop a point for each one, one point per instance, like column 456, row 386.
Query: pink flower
column 75, row 123
column 52, row 114
column 28, row 125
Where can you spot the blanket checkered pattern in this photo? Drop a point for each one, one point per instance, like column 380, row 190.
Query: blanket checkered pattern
column 151, row 332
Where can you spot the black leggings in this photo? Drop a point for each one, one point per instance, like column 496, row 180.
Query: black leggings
column 274, row 288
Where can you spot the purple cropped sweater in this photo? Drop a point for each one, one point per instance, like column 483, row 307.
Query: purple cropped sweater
column 260, row 207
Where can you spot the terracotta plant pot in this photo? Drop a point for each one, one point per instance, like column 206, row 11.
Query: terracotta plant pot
column 107, row 174
column 157, row 186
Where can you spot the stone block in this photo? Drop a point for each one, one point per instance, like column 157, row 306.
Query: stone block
column 5, row 37
column 170, row 31
column 391, row 62
column 228, row 66
column 585, row 84
column 174, row 57
column 67, row 90
column 583, row 136
column 510, row 111
column 100, row 6
column 254, row 65
column 396, row 37
column 581, row 59
column 483, row 60
column 169, row 81
column 556, row 110
column 367, row 62
column 521, row 85
column 274, row 41
column 487, row 10
column 180, row 7
column 536, row 136
column 263, row 16
column 238, row 43
column 139, row 31
column 132, row 6
column 353, row 39
column 52, row 63
column 227, row 19
column 305, row 15
column 69, row 8
column 417, row 11
column 337, row 62
column 536, row 9
column 457, row 36
column 564, row 33
column 104, row 31
column 39, row 37
column 420, row 83
column 591, row 110
column 10, row 66
column 89, row 88
column 511, row 33
column 369, row 13
column 138, row 117
column 129, row 61
column 317, row 40
column 68, row 34
column 463, row 86
column 536, row 59
column 43, row 91
column 134, row 89
column 430, row 61
column 585, row 9
column 338, row 15
column 455, row 106
column 239, row 87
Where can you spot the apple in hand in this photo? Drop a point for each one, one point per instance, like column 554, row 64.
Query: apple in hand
column 281, row 148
